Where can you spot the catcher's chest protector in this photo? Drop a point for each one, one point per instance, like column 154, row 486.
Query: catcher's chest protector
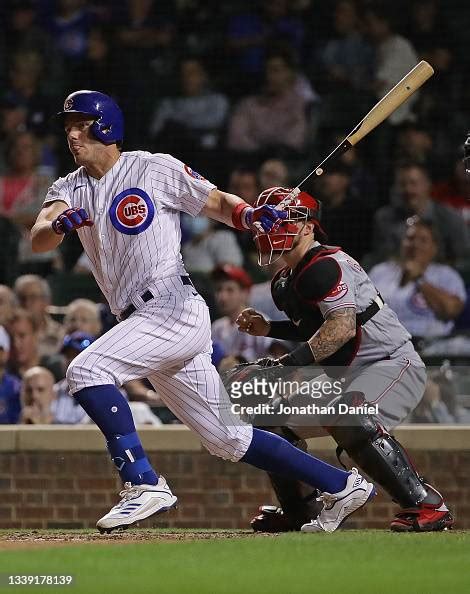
column 297, row 292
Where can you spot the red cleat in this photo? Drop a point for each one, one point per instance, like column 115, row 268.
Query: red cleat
column 425, row 518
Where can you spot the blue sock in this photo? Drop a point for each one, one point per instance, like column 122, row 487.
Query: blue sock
column 110, row 410
column 274, row 454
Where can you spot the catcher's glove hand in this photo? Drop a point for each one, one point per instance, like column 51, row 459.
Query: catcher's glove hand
column 71, row 219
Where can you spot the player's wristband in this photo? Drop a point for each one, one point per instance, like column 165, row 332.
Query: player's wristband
column 239, row 216
column 284, row 330
column 57, row 227
column 300, row 356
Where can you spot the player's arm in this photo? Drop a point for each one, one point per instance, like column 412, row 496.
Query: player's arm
column 336, row 330
column 235, row 212
column 253, row 322
column 43, row 237
column 53, row 222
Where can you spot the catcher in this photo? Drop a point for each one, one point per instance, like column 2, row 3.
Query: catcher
column 343, row 325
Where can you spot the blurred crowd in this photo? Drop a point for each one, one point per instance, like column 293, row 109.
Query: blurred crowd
column 251, row 94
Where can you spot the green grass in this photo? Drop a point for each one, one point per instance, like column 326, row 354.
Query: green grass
column 346, row 562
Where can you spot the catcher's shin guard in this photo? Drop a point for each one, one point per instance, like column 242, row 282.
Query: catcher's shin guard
column 379, row 454
column 298, row 503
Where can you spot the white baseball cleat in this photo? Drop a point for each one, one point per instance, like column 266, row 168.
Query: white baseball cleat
column 138, row 502
column 338, row 506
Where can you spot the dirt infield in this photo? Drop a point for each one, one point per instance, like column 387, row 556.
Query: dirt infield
column 25, row 539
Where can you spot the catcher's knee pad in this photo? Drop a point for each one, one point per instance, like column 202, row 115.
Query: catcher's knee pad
column 376, row 452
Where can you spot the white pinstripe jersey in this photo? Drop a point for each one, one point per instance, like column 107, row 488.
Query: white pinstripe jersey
column 135, row 206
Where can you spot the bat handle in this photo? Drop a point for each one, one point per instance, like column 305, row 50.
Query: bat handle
column 337, row 152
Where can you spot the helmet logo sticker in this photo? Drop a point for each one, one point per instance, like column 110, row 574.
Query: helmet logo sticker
column 68, row 104
column 132, row 211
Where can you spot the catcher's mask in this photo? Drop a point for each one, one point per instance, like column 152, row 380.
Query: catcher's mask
column 466, row 154
column 301, row 208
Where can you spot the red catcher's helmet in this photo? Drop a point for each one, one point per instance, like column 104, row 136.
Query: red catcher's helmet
column 301, row 207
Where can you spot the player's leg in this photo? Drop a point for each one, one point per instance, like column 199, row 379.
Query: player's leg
column 124, row 353
column 298, row 501
column 396, row 387
column 197, row 397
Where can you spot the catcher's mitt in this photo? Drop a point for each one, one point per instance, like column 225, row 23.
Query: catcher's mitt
column 253, row 384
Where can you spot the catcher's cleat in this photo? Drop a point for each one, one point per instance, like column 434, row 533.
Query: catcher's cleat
column 431, row 515
column 338, row 506
column 138, row 502
column 272, row 519
column 426, row 517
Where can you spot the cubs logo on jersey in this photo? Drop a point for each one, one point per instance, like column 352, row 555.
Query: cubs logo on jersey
column 132, row 211
column 193, row 173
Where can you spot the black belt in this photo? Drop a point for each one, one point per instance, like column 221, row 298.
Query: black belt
column 147, row 296
column 370, row 312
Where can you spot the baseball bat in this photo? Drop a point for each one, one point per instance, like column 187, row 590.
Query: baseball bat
column 408, row 85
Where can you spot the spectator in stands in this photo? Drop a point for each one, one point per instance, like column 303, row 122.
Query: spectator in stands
column 250, row 33
column 24, row 91
column 432, row 408
column 274, row 118
column 22, row 190
column 101, row 67
column 8, row 303
column 209, row 246
column 414, row 189
column 146, row 34
column 24, row 32
column 455, row 191
column 273, row 173
column 34, row 295
column 191, row 123
column 260, row 294
column 346, row 217
column 69, row 27
column 68, row 411
column 363, row 180
column 82, row 315
column 414, row 143
column 426, row 296
column 395, row 56
column 348, row 61
column 243, row 182
column 436, row 41
column 430, row 33
column 348, row 57
column 41, row 404
column 24, row 333
column 9, row 384
column 232, row 288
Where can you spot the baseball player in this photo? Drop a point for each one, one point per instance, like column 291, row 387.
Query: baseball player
column 342, row 323
column 126, row 208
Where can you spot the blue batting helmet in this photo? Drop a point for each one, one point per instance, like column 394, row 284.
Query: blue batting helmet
column 108, row 126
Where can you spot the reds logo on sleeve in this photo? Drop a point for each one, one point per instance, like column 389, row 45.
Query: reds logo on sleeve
column 132, row 211
column 337, row 293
